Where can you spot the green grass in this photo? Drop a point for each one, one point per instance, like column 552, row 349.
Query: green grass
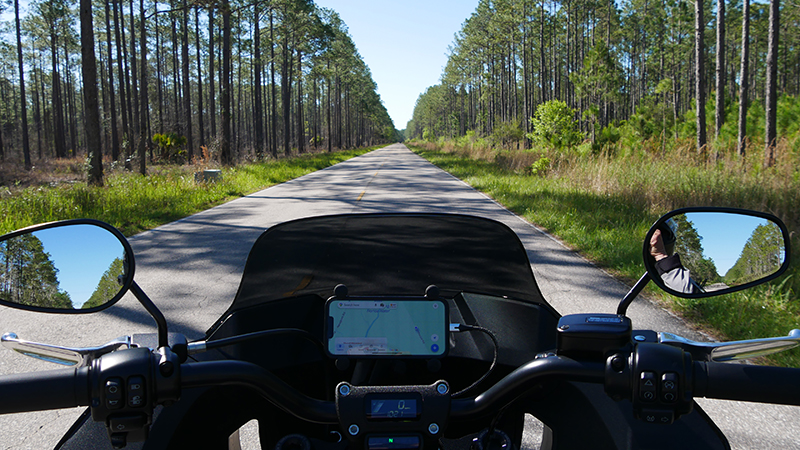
column 133, row 203
column 600, row 226
column 603, row 207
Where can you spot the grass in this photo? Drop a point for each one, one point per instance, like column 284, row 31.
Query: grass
column 134, row 203
column 603, row 205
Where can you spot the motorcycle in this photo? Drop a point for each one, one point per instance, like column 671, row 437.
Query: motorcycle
column 392, row 332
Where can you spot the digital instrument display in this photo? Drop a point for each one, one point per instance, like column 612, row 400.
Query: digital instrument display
column 389, row 327
column 393, row 408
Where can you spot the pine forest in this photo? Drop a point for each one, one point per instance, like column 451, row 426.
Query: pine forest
column 141, row 81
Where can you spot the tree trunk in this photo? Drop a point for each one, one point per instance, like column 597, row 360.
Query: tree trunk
column 300, row 128
column 212, row 105
column 144, row 105
column 719, row 115
column 90, row 97
column 26, row 151
column 187, row 95
column 201, row 131
column 743, row 79
column 258, row 114
column 330, row 127
column 286, row 97
column 58, row 110
column 37, row 110
column 699, row 30
column 159, row 76
column 273, row 106
column 123, row 96
column 225, row 146
column 137, row 123
column 770, row 128
column 114, row 132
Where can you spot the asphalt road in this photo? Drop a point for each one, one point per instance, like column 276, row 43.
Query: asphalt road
column 191, row 270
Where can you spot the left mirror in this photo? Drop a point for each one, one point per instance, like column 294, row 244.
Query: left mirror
column 73, row 266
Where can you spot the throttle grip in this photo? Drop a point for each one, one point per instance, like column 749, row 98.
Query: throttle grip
column 746, row 382
column 38, row 391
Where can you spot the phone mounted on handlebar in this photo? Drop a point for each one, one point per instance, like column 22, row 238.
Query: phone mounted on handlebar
column 386, row 326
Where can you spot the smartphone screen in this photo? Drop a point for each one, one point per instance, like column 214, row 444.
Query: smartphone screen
column 384, row 327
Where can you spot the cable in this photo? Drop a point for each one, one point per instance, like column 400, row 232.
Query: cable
column 201, row 346
column 463, row 327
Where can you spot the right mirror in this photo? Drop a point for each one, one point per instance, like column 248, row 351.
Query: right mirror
column 701, row 252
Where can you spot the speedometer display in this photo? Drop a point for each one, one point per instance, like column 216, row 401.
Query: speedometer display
column 393, row 409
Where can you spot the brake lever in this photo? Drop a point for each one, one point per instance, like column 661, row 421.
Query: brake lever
column 66, row 356
column 732, row 351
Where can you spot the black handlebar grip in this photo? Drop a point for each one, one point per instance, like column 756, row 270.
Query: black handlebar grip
column 38, row 391
column 746, row 382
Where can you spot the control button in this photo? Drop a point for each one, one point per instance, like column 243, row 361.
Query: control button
column 647, row 386
column 657, row 416
column 113, row 393
column 124, row 424
column 136, row 392
column 669, row 387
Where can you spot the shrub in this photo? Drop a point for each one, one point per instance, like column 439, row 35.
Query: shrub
column 541, row 166
column 554, row 125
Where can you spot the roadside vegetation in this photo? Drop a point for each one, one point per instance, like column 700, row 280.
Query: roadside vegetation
column 590, row 120
column 133, row 203
column 601, row 200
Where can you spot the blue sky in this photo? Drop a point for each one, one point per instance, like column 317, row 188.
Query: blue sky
column 404, row 43
column 81, row 253
column 724, row 236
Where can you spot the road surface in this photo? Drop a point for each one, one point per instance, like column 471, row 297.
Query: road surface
column 191, row 270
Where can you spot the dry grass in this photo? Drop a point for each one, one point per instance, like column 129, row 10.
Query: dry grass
column 659, row 180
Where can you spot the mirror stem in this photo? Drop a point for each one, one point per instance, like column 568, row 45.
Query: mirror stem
column 635, row 290
column 151, row 308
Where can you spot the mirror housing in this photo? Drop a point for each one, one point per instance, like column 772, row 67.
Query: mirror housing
column 686, row 250
column 72, row 266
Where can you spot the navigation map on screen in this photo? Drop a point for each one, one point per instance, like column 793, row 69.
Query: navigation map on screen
column 383, row 328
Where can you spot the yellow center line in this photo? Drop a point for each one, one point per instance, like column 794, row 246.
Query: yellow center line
column 365, row 189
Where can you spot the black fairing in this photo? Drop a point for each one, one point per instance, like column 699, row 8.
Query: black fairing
column 387, row 254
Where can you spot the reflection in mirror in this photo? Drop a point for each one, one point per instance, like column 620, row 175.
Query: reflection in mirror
column 70, row 267
column 699, row 252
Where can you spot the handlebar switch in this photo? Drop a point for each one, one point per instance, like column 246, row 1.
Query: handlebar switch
column 123, row 393
column 647, row 386
column 670, row 384
column 113, row 393
column 663, row 374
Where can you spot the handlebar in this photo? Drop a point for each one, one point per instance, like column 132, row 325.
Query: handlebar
column 65, row 388
column 39, row 391
column 216, row 373
column 745, row 382
column 523, row 379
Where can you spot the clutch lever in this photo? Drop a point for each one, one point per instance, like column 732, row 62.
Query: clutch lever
column 66, row 356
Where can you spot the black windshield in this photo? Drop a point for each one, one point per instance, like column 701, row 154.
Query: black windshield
column 387, row 254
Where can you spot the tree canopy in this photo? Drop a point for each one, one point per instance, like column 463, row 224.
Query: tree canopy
column 762, row 255
column 28, row 275
column 108, row 287
column 689, row 245
column 609, row 61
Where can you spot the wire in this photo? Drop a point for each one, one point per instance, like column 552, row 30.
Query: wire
column 210, row 345
column 463, row 327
